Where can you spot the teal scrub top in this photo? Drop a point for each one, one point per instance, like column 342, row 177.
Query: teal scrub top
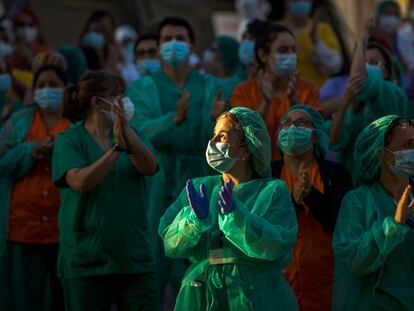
column 230, row 84
column 255, row 240
column 374, row 266
column 106, row 229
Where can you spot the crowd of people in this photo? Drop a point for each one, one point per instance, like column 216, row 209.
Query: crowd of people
column 271, row 173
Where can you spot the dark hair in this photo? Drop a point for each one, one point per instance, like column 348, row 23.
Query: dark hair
column 148, row 36
column 387, row 57
column 256, row 27
column 96, row 16
column 56, row 69
column 267, row 36
column 176, row 21
column 77, row 99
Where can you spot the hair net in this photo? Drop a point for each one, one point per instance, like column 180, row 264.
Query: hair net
column 257, row 138
column 228, row 48
column 382, row 6
column 321, row 130
column 369, row 150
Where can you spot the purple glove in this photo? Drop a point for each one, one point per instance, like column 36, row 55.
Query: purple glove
column 199, row 203
column 226, row 193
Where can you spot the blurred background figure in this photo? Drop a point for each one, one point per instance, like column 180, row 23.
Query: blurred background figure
column 147, row 55
column 125, row 37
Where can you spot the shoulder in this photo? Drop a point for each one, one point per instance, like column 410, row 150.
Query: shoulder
column 73, row 133
column 24, row 112
column 307, row 85
column 273, row 185
column 142, row 82
column 208, row 181
column 248, row 85
column 358, row 196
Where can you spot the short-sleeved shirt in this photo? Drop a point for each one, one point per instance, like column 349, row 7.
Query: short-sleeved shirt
column 104, row 230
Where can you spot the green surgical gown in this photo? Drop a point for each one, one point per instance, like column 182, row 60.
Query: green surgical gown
column 255, row 240
column 374, row 257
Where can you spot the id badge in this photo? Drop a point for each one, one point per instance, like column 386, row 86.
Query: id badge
column 221, row 256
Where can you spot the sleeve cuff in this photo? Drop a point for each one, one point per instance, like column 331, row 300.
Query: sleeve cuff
column 393, row 230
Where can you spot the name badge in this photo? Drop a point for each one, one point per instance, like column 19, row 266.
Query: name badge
column 221, row 256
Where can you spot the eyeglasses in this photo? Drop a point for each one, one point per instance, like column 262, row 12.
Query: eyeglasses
column 152, row 53
column 298, row 123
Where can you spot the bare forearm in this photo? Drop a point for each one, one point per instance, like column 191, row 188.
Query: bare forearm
column 87, row 178
column 359, row 60
column 142, row 158
column 337, row 123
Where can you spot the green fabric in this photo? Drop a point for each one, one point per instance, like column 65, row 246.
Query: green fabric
column 230, row 84
column 17, row 105
column 131, row 292
column 369, row 148
column 378, row 98
column 104, row 230
column 321, row 129
column 228, row 49
column 374, row 263
column 382, row 6
column 76, row 60
column 257, row 139
column 259, row 234
column 180, row 150
column 16, row 160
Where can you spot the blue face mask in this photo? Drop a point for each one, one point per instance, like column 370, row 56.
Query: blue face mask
column 294, row 141
column 217, row 155
column 285, row 64
column 94, row 39
column 5, row 49
column 147, row 66
column 301, row 8
column 246, row 52
column 375, row 71
column 5, row 82
column 49, row 98
column 174, row 52
column 404, row 163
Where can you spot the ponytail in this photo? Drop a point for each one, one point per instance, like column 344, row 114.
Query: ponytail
column 71, row 109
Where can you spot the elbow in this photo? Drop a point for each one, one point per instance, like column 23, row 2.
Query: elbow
column 80, row 186
column 150, row 170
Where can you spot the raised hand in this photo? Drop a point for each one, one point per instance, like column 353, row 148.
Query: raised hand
column 353, row 86
column 404, row 210
column 226, row 194
column 199, row 203
column 182, row 108
column 219, row 106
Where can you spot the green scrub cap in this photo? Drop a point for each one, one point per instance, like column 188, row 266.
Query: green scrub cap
column 257, row 138
column 382, row 6
column 369, row 147
column 321, row 130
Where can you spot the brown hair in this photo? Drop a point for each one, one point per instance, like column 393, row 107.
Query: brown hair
column 77, row 99
column 235, row 123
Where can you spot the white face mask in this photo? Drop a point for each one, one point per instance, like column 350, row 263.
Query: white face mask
column 128, row 107
column 404, row 163
column 27, row 33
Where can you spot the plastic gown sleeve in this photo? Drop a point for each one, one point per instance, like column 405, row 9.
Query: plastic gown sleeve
column 16, row 160
column 269, row 230
column 364, row 250
column 156, row 126
column 180, row 229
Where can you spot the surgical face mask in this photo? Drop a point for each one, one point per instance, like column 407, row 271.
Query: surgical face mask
column 147, row 66
column 49, row 98
column 404, row 163
column 93, row 39
column 389, row 24
column 5, row 49
column 375, row 70
column 285, row 64
column 128, row 107
column 5, row 82
column 174, row 52
column 217, row 155
column 301, row 8
column 294, row 141
column 27, row 33
column 246, row 52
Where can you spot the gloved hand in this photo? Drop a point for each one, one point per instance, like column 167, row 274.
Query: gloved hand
column 226, row 193
column 199, row 203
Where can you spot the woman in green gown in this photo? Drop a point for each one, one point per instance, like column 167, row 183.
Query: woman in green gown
column 238, row 232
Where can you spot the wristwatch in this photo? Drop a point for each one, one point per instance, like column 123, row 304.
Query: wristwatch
column 118, row 148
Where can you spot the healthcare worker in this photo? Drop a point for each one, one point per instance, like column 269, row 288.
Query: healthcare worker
column 374, row 234
column 175, row 108
column 29, row 201
column 369, row 95
column 317, row 187
column 237, row 228
column 147, row 54
column 100, row 164
column 279, row 87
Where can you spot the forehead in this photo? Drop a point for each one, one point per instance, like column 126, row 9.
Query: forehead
column 146, row 44
column 173, row 30
column 284, row 38
column 226, row 126
column 298, row 114
column 373, row 53
column 401, row 134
